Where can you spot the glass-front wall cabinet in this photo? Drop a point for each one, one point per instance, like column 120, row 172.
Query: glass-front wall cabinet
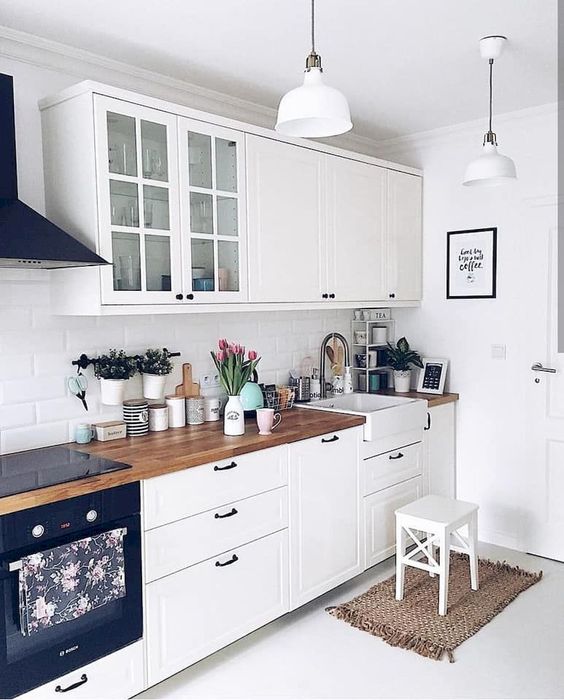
column 213, row 212
column 138, row 200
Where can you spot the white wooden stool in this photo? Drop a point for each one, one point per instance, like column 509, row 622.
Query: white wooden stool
column 440, row 518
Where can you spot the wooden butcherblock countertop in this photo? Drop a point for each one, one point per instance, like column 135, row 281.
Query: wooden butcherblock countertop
column 432, row 399
column 179, row 448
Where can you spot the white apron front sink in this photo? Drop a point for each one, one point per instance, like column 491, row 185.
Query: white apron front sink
column 385, row 415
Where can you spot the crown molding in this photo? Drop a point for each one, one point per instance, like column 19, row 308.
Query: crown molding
column 469, row 127
column 85, row 65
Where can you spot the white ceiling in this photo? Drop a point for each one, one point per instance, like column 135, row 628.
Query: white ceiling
column 405, row 65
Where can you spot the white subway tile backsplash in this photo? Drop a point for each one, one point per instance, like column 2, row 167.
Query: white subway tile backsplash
column 33, row 389
column 16, row 416
column 36, row 350
column 17, row 439
column 15, row 366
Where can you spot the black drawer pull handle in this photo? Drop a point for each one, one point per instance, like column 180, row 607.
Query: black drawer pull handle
column 333, row 439
column 82, row 681
column 428, row 427
column 233, row 559
column 233, row 511
column 227, row 466
column 398, row 456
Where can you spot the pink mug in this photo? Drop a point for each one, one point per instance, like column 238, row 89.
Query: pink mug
column 267, row 420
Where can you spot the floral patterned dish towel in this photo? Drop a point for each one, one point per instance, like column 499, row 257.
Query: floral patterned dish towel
column 63, row 583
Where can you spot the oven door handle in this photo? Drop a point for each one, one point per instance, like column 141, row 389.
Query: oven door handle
column 82, row 681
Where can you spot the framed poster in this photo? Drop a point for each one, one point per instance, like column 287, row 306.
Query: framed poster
column 471, row 263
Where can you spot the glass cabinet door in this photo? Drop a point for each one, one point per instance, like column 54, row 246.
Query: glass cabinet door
column 139, row 208
column 213, row 212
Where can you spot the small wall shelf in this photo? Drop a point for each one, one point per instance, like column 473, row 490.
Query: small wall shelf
column 362, row 375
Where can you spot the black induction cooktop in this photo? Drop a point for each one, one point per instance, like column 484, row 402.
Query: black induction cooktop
column 47, row 466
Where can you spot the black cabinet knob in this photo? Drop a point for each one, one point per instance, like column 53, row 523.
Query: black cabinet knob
column 180, row 297
column 392, row 295
column 190, row 296
column 331, row 296
column 325, row 296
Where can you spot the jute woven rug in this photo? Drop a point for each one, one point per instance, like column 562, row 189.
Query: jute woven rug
column 414, row 622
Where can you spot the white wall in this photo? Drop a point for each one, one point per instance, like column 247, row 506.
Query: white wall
column 36, row 347
column 493, row 438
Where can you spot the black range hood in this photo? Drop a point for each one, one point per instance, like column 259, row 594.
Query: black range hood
column 28, row 239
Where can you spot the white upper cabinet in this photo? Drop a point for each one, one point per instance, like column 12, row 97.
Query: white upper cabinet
column 404, row 237
column 356, row 204
column 194, row 210
column 286, row 222
column 138, row 207
column 213, row 206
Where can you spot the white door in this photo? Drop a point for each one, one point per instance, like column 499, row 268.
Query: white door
column 324, row 514
column 286, row 222
column 380, row 519
column 356, row 201
column 199, row 610
column 404, row 240
column 213, row 212
column 543, row 503
column 138, row 206
column 439, row 451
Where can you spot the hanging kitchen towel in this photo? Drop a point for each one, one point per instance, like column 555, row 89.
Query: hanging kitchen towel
column 65, row 582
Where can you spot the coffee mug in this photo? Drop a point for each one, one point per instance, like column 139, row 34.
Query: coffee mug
column 267, row 420
column 360, row 360
column 83, row 433
column 360, row 337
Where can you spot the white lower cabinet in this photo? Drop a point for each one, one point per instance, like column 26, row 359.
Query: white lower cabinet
column 324, row 526
column 379, row 518
column 199, row 610
column 439, row 451
column 118, row 675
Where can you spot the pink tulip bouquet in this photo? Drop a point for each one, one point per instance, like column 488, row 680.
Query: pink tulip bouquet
column 234, row 370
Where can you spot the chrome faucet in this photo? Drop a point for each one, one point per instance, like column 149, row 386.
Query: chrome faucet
column 327, row 338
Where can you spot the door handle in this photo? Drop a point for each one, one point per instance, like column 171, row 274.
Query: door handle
column 227, row 466
column 538, row 367
column 82, row 681
column 428, row 426
column 233, row 559
column 398, row 456
column 233, row 511
column 333, row 439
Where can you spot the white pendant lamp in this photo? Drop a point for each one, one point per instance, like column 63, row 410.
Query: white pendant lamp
column 491, row 167
column 314, row 109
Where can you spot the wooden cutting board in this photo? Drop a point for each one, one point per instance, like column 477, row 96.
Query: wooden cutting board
column 188, row 387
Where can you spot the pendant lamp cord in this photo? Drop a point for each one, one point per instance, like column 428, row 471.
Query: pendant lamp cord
column 491, row 93
column 312, row 26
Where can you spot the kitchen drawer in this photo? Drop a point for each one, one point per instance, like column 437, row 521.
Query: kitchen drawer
column 380, row 519
column 188, row 541
column 392, row 468
column 199, row 610
column 118, row 675
column 174, row 496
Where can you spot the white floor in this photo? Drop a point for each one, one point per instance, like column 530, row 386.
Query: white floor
column 309, row 654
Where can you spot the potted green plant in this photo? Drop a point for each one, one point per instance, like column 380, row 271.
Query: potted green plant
column 113, row 370
column 234, row 372
column 155, row 365
column 400, row 359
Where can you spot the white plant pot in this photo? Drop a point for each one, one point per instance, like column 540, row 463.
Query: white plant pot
column 154, row 386
column 112, row 391
column 402, row 380
column 234, row 417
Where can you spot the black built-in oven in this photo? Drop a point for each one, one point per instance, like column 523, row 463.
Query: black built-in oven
column 29, row 660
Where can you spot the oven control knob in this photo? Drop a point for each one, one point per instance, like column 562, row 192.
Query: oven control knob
column 37, row 530
column 91, row 516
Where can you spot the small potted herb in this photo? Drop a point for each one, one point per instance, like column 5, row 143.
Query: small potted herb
column 113, row 370
column 400, row 359
column 155, row 365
